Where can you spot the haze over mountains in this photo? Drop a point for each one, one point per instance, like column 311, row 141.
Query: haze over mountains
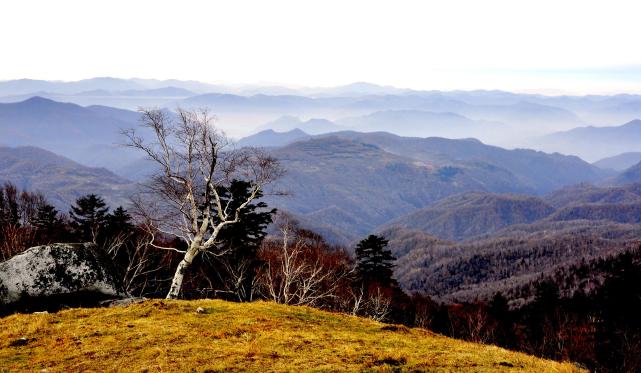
column 499, row 118
column 581, row 141
column 61, row 180
column 89, row 135
column 444, row 175
column 619, row 162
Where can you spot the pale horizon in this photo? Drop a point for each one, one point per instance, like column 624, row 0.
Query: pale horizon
column 574, row 47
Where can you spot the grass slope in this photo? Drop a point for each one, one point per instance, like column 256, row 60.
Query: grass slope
column 170, row 336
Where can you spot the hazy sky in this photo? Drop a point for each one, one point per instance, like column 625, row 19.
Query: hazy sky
column 566, row 46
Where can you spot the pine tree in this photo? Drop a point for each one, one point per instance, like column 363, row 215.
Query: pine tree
column 119, row 221
column 46, row 218
column 249, row 232
column 241, row 241
column 89, row 217
column 48, row 224
column 375, row 263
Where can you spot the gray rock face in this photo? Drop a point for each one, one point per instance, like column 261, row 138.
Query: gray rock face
column 58, row 271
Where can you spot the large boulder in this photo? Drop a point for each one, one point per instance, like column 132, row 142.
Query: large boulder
column 49, row 276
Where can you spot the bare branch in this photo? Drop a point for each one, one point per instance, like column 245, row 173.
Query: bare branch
column 183, row 199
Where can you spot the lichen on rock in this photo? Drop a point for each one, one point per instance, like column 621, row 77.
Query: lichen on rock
column 58, row 270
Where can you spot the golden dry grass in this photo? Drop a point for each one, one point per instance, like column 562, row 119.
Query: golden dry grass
column 170, row 336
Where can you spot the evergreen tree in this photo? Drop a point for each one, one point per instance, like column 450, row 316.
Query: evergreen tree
column 119, row 221
column 375, row 263
column 46, row 218
column 240, row 241
column 89, row 217
column 249, row 232
column 48, row 223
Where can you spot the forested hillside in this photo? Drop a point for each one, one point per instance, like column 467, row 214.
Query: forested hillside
column 472, row 245
column 333, row 179
column 539, row 171
column 466, row 271
column 60, row 179
column 473, row 214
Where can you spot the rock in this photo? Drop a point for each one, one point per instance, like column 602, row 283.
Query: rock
column 71, row 274
column 200, row 310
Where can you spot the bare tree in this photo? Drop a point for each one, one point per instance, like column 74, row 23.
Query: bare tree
column 379, row 304
column 239, row 270
column 196, row 163
column 133, row 252
column 358, row 300
column 478, row 326
column 300, row 272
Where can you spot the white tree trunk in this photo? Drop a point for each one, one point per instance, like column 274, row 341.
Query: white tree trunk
column 177, row 282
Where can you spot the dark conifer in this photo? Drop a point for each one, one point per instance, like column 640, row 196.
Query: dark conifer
column 89, row 217
column 119, row 221
column 240, row 241
column 49, row 226
column 46, row 218
column 375, row 263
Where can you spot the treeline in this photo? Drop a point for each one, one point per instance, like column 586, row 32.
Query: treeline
column 600, row 329
column 294, row 266
column 596, row 324
column 465, row 271
column 28, row 219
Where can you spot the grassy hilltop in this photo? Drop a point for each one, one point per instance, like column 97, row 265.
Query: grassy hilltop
column 171, row 336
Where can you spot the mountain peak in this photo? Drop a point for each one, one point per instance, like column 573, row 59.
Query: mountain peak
column 38, row 100
column 272, row 138
column 633, row 123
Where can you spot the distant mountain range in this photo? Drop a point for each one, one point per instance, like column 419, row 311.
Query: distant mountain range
column 27, row 86
column 89, row 135
column 594, row 143
column 619, row 162
column 333, row 179
column 630, row 175
column 424, row 123
column 60, row 179
column 270, row 138
column 411, row 114
column 501, row 118
column 536, row 171
column 312, row 126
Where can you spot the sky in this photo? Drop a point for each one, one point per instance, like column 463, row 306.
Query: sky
column 540, row 46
